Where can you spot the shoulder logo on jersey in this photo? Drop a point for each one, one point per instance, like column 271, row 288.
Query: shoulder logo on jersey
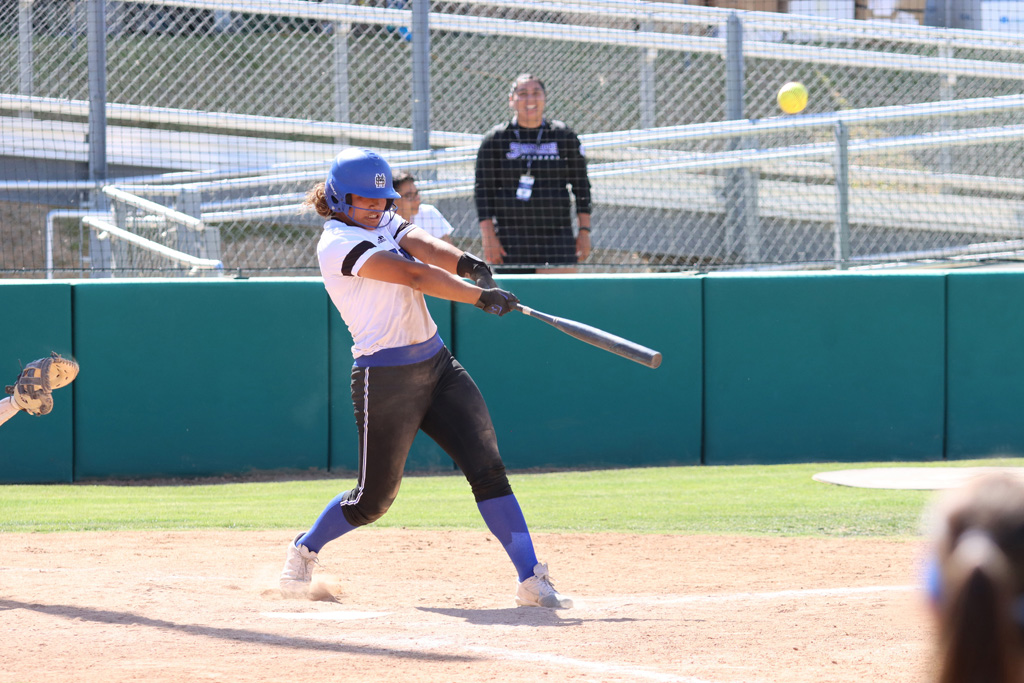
column 401, row 252
column 379, row 180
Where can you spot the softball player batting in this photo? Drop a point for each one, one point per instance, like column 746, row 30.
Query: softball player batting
column 377, row 267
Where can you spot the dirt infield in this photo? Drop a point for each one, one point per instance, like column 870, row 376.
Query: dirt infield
column 404, row 605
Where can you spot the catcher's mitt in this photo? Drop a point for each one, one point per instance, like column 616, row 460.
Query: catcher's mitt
column 32, row 392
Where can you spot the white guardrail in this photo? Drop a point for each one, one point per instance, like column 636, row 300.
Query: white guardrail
column 106, row 229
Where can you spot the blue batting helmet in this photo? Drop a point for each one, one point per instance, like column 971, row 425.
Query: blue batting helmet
column 358, row 172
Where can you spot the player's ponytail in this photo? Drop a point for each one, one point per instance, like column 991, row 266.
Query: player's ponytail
column 979, row 637
column 316, row 200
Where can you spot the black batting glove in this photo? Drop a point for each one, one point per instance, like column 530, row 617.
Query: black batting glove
column 475, row 269
column 496, row 301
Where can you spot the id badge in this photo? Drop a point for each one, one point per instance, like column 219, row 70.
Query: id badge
column 525, row 189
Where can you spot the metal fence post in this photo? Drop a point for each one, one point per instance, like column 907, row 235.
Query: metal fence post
column 186, row 239
column 734, row 68
column 25, row 67
column 742, row 230
column 947, row 91
column 96, row 34
column 342, row 113
column 842, row 165
column 102, row 260
column 119, row 260
column 421, row 75
column 205, row 243
column 648, row 102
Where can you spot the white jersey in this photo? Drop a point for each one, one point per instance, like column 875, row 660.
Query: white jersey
column 431, row 220
column 379, row 315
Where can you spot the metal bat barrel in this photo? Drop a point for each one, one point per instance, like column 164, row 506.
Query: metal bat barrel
column 597, row 337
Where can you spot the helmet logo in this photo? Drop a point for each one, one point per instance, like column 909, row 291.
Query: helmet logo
column 379, row 180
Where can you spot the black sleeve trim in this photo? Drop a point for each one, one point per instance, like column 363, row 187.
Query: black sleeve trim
column 404, row 226
column 353, row 256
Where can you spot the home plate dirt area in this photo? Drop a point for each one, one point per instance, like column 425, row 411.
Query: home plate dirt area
column 427, row 605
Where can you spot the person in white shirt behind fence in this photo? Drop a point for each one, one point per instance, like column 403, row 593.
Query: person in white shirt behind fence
column 425, row 216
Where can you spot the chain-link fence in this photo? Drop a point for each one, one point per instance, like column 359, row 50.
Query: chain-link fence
column 227, row 112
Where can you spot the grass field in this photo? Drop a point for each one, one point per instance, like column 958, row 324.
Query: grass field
column 759, row 500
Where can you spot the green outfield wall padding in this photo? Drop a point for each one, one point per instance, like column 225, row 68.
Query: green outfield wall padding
column 425, row 455
column 187, row 378
column 985, row 393
column 558, row 402
column 200, row 377
column 37, row 320
column 823, row 367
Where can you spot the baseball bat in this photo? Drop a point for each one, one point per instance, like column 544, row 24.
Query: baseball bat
column 599, row 338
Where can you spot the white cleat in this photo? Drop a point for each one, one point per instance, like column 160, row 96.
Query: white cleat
column 298, row 570
column 538, row 591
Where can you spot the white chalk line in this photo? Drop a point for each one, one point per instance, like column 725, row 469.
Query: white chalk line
column 631, row 599
column 851, row 591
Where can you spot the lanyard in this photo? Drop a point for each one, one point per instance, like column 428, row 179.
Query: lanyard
column 540, row 132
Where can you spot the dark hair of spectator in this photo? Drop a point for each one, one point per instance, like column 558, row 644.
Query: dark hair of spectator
column 401, row 177
column 523, row 78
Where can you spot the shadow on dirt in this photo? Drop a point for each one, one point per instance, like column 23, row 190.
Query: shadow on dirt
column 251, row 636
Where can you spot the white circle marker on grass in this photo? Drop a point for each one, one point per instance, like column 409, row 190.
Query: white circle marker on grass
column 914, row 478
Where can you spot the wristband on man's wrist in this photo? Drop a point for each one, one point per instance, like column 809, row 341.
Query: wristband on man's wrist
column 583, row 228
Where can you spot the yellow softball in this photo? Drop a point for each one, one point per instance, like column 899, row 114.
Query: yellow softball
column 792, row 97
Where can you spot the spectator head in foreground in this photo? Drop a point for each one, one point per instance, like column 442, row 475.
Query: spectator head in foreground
column 976, row 580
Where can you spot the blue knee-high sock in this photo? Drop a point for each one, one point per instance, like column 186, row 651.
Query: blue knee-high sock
column 505, row 519
column 328, row 526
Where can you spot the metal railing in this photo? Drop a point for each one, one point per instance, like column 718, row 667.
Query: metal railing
column 995, row 216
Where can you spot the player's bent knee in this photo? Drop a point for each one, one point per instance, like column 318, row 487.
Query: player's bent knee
column 362, row 517
column 367, row 512
column 489, row 482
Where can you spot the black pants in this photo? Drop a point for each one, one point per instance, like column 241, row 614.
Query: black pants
column 392, row 403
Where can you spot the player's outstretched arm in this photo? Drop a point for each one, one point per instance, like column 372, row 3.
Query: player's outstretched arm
column 437, row 252
column 423, row 277
column 7, row 409
column 433, row 281
column 443, row 255
column 429, row 249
